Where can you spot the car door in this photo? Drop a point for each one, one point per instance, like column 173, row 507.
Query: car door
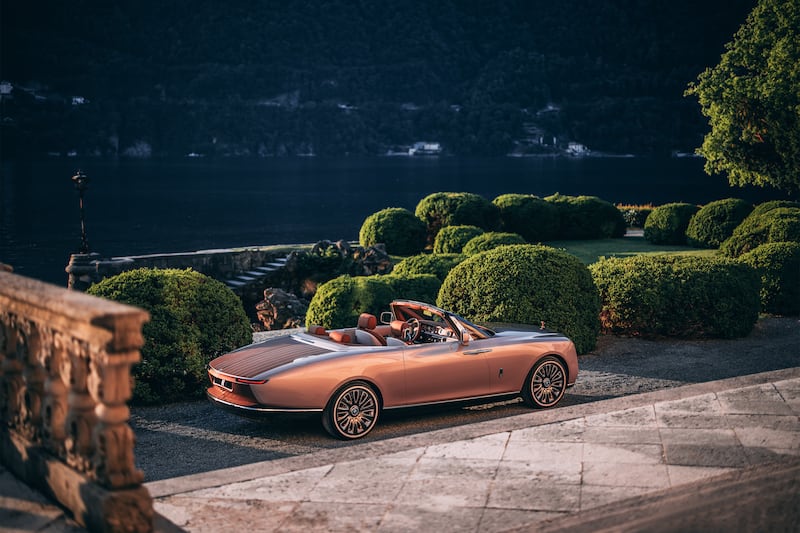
column 442, row 371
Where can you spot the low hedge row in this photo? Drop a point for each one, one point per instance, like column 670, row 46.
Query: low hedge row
column 677, row 296
column 437, row 264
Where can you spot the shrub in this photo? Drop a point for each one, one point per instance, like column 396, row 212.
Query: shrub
column 397, row 228
column 526, row 284
column 762, row 208
column 527, row 215
column 193, row 319
column 635, row 215
column 778, row 264
column 339, row 302
column 678, row 296
column 667, row 223
column 587, row 217
column 715, row 222
column 437, row 264
column 781, row 224
column 492, row 239
column 451, row 239
column 442, row 209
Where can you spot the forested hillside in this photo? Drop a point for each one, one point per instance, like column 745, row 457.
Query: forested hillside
column 359, row 77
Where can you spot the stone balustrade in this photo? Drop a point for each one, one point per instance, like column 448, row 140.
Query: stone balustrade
column 65, row 379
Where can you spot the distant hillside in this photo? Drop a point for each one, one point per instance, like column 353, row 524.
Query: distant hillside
column 358, row 77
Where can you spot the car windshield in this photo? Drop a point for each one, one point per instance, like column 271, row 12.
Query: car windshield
column 474, row 328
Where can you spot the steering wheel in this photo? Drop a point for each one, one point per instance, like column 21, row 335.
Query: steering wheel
column 412, row 331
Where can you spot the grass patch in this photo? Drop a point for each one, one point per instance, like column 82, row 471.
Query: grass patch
column 592, row 250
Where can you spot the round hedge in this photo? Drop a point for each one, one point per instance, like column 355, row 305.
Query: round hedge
column 442, row 209
column 781, row 224
column 587, row 217
column 489, row 240
column 451, row 239
column 338, row 302
column 778, row 264
column 762, row 208
column 437, row 264
column 526, row 284
column 715, row 222
column 677, row 296
column 397, row 228
column 528, row 215
column 667, row 223
column 193, row 319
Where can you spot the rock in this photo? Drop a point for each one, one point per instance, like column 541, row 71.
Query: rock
column 281, row 310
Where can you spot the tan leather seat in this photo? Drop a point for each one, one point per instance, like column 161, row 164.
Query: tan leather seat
column 366, row 334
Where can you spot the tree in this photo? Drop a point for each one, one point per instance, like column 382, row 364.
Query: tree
column 752, row 101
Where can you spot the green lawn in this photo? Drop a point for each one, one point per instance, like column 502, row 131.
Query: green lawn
column 592, row 250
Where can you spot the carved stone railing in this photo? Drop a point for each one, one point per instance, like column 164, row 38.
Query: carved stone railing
column 65, row 378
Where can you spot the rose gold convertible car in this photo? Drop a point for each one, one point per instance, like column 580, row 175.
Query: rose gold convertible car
column 419, row 355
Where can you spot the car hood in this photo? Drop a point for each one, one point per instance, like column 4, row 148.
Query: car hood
column 254, row 359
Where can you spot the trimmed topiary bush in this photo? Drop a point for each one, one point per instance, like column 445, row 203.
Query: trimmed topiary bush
column 781, row 224
column 193, row 319
column 339, row 302
column 442, row 209
column 536, row 220
column 397, row 228
column 587, row 217
column 677, row 296
column 451, row 239
column 667, row 223
column 492, row 239
column 437, row 264
column 526, row 284
column 715, row 222
column 778, row 264
column 762, row 208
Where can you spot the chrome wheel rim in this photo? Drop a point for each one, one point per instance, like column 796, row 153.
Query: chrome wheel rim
column 355, row 411
column 548, row 383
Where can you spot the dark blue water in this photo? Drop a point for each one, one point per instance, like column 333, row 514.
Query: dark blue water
column 138, row 207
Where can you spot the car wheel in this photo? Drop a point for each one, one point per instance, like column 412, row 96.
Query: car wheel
column 546, row 383
column 352, row 412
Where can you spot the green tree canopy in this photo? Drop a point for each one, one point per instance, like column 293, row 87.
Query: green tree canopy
column 752, row 100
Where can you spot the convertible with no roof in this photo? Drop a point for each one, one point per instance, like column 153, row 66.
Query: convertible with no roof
column 419, row 355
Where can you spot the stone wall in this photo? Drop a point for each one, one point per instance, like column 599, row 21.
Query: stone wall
column 65, row 379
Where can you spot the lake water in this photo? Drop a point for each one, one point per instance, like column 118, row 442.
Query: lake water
column 139, row 207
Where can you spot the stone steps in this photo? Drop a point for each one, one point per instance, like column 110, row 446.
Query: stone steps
column 258, row 273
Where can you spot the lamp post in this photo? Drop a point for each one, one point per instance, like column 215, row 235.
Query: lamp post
column 81, row 182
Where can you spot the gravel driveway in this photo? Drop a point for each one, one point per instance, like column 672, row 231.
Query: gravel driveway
column 188, row 438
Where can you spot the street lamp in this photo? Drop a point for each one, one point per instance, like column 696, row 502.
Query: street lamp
column 81, row 182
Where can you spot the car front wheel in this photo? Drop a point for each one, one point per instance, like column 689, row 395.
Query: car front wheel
column 546, row 383
column 352, row 412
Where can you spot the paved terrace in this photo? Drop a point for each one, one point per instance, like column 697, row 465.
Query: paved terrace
column 716, row 456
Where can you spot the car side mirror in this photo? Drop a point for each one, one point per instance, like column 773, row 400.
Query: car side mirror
column 387, row 317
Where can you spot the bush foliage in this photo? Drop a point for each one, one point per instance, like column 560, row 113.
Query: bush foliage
column 667, row 223
column 678, row 296
column 635, row 215
column 451, row 239
column 489, row 240
column 781, row 224
column 587, row 217
column 399, row 229
column 526, row 284
column 437, row 264
column 533, row 218
column 778, row 264
column 715, row 222
column 193, row 319
column 339, row 302
column 442, row 209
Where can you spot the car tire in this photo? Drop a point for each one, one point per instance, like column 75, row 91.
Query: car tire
column 546, row 383
column 352, row 411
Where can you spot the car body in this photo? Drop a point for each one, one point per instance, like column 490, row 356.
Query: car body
column 419, row 355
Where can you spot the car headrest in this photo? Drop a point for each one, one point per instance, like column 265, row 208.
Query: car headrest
column 367, row 321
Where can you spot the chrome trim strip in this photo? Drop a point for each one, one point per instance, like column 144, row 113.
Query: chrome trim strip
column 262, row 409
column 457, row 400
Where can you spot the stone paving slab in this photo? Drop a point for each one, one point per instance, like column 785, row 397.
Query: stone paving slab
column 520, row 478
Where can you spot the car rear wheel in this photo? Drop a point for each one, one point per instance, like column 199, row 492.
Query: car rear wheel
column 546, row 383
column 352, row 412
